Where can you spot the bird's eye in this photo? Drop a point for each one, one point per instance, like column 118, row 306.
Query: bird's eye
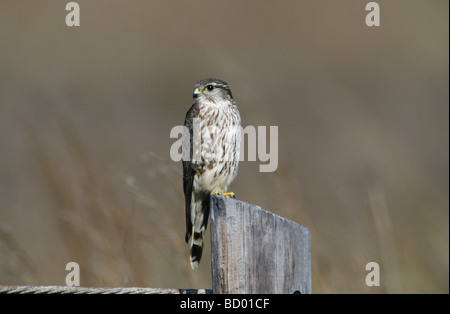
column 209, row 87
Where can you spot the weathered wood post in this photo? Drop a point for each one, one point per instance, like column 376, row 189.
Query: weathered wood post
column 256, row 251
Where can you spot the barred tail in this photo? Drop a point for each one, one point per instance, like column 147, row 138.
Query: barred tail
column 199, row 218
column 196, row 248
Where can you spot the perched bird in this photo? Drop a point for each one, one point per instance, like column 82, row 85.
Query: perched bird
column 214, row 135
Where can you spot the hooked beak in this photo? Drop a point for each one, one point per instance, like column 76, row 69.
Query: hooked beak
column 197, row 93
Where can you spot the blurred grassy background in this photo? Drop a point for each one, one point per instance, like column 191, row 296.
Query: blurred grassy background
column 85, row 116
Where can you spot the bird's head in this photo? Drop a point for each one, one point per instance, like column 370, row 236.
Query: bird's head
column 213, row 91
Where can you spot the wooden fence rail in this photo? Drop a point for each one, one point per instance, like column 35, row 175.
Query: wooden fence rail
column 94, row 290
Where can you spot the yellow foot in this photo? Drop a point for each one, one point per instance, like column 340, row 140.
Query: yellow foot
column 229, row 194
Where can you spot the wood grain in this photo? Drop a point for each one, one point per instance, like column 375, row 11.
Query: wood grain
column 256, row 251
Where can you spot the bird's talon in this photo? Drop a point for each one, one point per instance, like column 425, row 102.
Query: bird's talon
column 229, row 194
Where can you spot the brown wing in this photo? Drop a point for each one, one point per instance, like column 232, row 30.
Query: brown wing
column 188, row 171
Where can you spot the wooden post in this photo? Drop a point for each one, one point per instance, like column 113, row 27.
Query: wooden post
column 256, row 251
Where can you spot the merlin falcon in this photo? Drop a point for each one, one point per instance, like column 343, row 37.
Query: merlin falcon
column 213, row 124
